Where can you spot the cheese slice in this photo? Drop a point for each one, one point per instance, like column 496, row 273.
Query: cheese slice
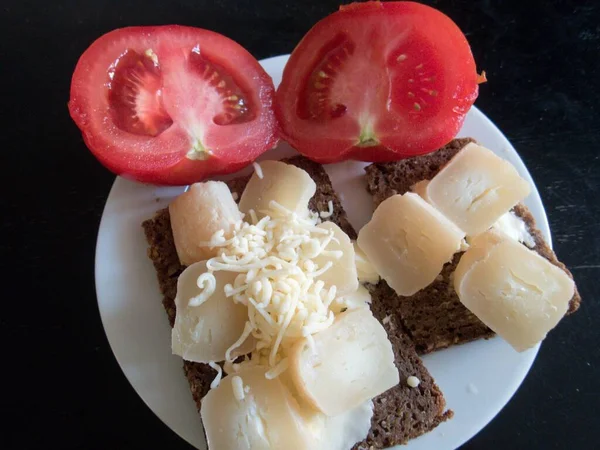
column 476, row 188
column 247, row 411
column 509, row 223
column 364, row 269
column 408, row 242
column 204, row 209
column 204, row 333
column 339, row 432
column 340, row 254
column 420, row 188
column 513, row 290
column 286, row 184
column 479, row 248
column 352, row 361
column 342, row 431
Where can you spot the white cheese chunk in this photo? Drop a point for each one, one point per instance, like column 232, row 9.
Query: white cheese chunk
column 262, row 417
column 339, row 432
column 479, row 248
column 408, row 242
column 514, row 291
column 509, row 223
column 249, row 411
column 364, row 269
column 286, row 184
column 342, row 431
column 203, row 333
column 351, row 362
column 204, row 209
column 420, row 188
column 340, row 254
column 475, row 188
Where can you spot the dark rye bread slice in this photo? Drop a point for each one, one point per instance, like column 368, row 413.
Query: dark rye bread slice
column 401, row 413
column 434, row 316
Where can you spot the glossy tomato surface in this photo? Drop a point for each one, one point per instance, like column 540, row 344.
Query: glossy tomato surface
column 377, row 81
column 172, row 104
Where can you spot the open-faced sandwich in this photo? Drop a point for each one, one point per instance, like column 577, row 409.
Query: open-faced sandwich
column 440, row 286
column 297, row 332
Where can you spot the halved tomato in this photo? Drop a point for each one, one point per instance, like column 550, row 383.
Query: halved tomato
column 377, row 81
column 172, row 104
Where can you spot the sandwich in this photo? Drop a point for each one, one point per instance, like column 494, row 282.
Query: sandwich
column 431, row 318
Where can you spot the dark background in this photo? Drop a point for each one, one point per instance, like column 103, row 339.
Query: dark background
column 62, row 384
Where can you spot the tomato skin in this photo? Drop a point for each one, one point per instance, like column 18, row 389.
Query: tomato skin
column 407, row 85
column 163, row 159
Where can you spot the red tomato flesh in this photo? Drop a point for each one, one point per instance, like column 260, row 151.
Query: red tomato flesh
column 377, row 82
column 172, row 104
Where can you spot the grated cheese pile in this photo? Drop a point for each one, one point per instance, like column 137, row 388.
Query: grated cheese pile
column 278, row 281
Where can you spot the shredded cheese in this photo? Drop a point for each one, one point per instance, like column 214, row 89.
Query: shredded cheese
column 413, row 381
column 230, row 367
column 278, row 369
column 329, row 212
column 258, row 170
column 277, row 280
column 215, row 383
column 207, row 283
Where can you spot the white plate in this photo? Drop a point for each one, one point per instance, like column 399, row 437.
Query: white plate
column 477, row 378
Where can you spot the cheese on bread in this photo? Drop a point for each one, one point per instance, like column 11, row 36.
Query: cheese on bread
column 408, row 242
column 475, row 189
column 513, row 290
column 206, row 323
column 345, row 365
column 285, row 184
column 204, row 209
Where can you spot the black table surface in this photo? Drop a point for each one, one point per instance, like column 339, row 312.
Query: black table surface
column 62, row 384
